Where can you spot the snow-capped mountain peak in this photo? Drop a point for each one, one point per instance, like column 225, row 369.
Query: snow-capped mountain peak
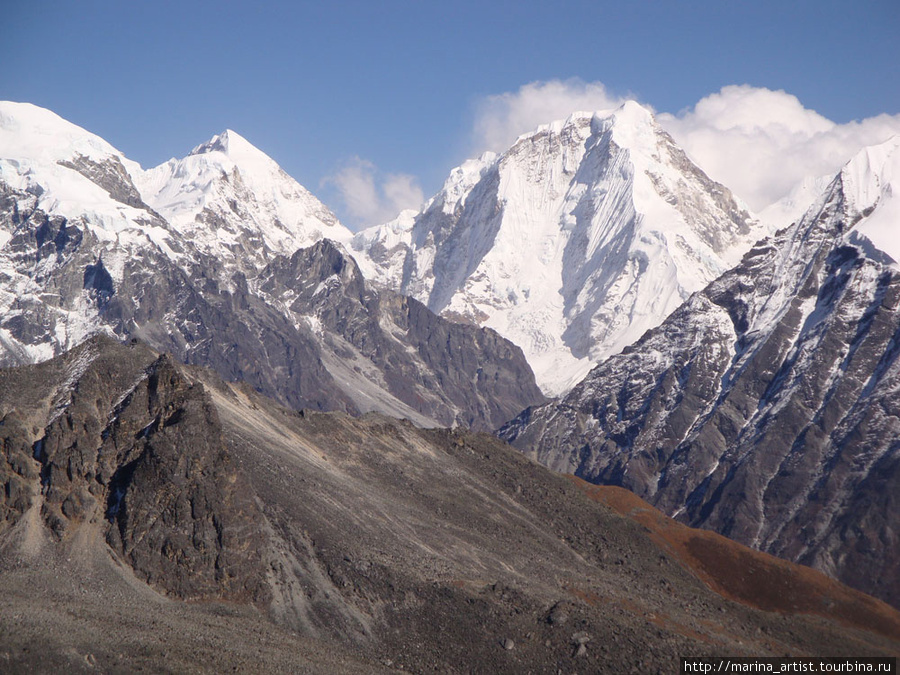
column 219, row 143
column 68, row 171
column 584, row 234
column 229, row 193
column 871, row 184
column 792, row 206
column 29, row 131
column 633, row 127
column 228, row 209
column 221, row 259
column 239, row 151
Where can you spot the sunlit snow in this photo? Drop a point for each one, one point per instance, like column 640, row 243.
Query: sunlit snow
column 583, row 235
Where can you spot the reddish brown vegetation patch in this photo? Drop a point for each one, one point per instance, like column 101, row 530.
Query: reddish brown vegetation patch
column 587, row 597
column 747, row 576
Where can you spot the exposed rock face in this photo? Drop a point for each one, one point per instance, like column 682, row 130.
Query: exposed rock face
column 132, row 448
column 110, row 175
column 397, row 547
column 382, row 341
column 60, row 291
column 205, row 274
column 766, row 407
column 182, row 515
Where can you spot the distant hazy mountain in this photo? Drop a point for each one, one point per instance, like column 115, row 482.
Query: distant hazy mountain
column 219, row 259
column 572, row 243
column 767, row 407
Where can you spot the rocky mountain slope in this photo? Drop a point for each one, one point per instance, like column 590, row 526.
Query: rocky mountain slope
column 314, row 542
column 767, row 407
column 195, row 257
column 572, row 243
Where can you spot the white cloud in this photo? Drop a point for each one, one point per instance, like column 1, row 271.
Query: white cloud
column 401, row 191
column 758, row 142
column 501, row 118
column 762, row 143
column 370, row 197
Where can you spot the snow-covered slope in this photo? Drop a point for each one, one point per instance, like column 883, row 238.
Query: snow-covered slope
column 70, row 172
column 767, row 407
column 794, row 205
column 226, row 194
column 580, row 237
column 221, row 259
column 69, row 192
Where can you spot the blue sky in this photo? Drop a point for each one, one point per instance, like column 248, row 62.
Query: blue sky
column 399, row 88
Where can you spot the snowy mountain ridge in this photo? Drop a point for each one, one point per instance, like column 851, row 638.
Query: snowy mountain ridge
column 27, row 130
column 79, row 183
column 223, row 260
column 56, row 162
column 73, row 172
column 580, row 237
column 765, row 407
column 82, row 188
column 200, row 194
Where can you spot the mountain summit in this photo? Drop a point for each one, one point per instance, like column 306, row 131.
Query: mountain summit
column 228, row 194
column 766, row 406
column 572, row 243
column 223, row 260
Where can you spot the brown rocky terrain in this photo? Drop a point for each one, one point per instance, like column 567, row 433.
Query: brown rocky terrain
column 156, row 518
column 766, row 407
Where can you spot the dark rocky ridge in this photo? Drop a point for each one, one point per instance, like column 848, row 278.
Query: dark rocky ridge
column 265, row 327
column 127, row 441
column 419, row 356
column 765, row 408
column 112, row 177
column 343, row 545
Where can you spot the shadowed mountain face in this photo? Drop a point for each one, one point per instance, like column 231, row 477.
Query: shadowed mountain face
column 314, row 542
column 390, row 353
column 765, row 408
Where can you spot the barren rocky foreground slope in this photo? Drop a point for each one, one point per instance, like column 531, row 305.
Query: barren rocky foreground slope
column 155, row 518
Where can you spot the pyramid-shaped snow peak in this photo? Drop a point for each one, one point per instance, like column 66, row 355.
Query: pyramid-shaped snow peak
column 584, row 234
column 228, row 192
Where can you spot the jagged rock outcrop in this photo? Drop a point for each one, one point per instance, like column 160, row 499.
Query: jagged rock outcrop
column 182, row 256
column 348, row 544
column 381, row 341
column 766, row 407
column 127, row 446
